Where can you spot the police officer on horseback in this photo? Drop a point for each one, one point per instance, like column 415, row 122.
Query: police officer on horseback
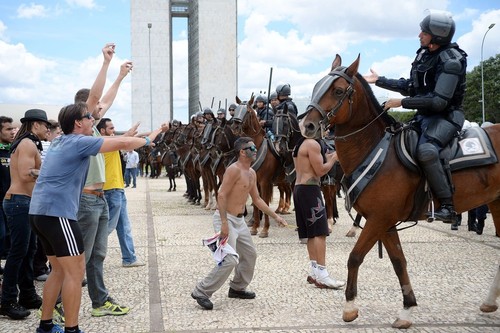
column 266, row 115
column 436, row 90
column 283, row 92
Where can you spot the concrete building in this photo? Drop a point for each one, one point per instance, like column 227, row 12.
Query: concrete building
column 212, row 56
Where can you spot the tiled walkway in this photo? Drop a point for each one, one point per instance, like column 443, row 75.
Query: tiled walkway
column 450, row 272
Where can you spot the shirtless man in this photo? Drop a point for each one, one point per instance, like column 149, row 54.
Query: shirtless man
column 239, row 181
column 25, row 165
column 310, row 165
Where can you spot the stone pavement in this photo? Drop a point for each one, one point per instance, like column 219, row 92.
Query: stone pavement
column 450, row 273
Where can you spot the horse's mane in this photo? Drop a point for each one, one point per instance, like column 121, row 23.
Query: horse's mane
column 388, row 119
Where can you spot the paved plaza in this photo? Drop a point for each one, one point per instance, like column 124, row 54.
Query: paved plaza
column 450, row 272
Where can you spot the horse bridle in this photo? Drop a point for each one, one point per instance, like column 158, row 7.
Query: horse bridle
column 279, row 124
column 322, row 87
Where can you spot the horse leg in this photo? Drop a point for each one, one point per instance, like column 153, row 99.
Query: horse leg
column 494, row 207
column 490, row 303
column 288, row 198
column 170, row 181
column 281, row 203
column 355, row 226
column 393, row 247
column 175, row 185
column 364, row 244
column 266, row 196
column 256, row 221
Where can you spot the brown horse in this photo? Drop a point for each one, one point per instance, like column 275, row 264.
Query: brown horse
column 246, row 123
column 344, row 99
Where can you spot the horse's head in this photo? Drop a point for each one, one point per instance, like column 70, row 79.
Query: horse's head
column 286, row 130
column 332, row 99
column 244, row 118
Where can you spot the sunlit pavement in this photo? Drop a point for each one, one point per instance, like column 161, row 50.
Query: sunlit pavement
column 450, row 272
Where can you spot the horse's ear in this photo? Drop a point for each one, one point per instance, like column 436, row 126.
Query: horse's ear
column 336, row 62
column 285, row 108
column 238, row 100
column 353, row 68
column 250, row 102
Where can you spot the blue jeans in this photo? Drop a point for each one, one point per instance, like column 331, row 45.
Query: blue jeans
column 93, row 221
column 130, row 172
column 3, row 232
column 18, row 270
column 118, row 219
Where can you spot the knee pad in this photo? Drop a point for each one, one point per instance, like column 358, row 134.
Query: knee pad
column 427, row 153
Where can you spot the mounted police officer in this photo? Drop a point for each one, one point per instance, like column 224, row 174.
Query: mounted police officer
column 210, row 124
column 436, row 90
column 221, row 114
column 265, row 114
column 283, row 91
column 273, row 101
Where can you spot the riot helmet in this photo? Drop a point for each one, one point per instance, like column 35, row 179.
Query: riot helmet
column 207, row 111
column 273, row 95
column 260, row 98
column 440, row 25
column 221, row 111
column 233, row 107
column 283, row 90
column 175, row 123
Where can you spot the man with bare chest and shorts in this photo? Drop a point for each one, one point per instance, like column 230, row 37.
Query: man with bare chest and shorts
column 239, row 181
column 310, row 213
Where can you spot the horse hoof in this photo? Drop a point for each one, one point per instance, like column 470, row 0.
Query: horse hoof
column 169, row 190
column 401, row 324
column 351, row 232
column 349, row 316
column 285, row 212
column 263, row 235
column 488, row 307
column 253, row 232
column 278, row 211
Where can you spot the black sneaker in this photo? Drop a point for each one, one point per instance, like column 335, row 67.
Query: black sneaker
column 243, row 294
column 14, row 311
column 34, row 302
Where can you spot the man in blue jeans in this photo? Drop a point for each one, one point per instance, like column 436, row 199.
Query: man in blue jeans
column 117, row 202
column 25, row 165
column 93, row 213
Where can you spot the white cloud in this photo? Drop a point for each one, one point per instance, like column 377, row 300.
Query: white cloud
column 471, row 41
column 3, row 28
column 89, row 4
column 55, row 82
column 30, row 11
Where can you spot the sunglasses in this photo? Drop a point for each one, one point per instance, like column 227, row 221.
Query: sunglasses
column 88, row 115
column 231, row 109
column 251, row 148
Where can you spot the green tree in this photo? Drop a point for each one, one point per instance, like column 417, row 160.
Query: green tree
column 472, row 100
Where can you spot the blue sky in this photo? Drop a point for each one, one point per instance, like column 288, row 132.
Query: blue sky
column 50, row 48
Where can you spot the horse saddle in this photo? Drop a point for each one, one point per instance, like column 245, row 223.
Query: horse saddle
column 472, row 148
column 262, row 152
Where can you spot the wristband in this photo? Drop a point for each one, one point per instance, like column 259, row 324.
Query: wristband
column 148, row 141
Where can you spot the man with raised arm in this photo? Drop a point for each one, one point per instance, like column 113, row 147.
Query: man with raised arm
column 239, row 181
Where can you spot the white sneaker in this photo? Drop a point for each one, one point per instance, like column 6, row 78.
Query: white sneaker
column 328, row 283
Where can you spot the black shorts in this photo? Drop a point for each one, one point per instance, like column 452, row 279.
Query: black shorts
column 59, row 236
column 310, row 212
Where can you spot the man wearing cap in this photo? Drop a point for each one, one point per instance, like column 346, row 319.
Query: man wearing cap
column 25, row 165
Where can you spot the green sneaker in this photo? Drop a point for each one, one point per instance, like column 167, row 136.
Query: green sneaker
column 110, row 308
column 57, row 314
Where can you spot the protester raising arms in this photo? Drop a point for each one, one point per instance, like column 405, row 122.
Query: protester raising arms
column 54, row 205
